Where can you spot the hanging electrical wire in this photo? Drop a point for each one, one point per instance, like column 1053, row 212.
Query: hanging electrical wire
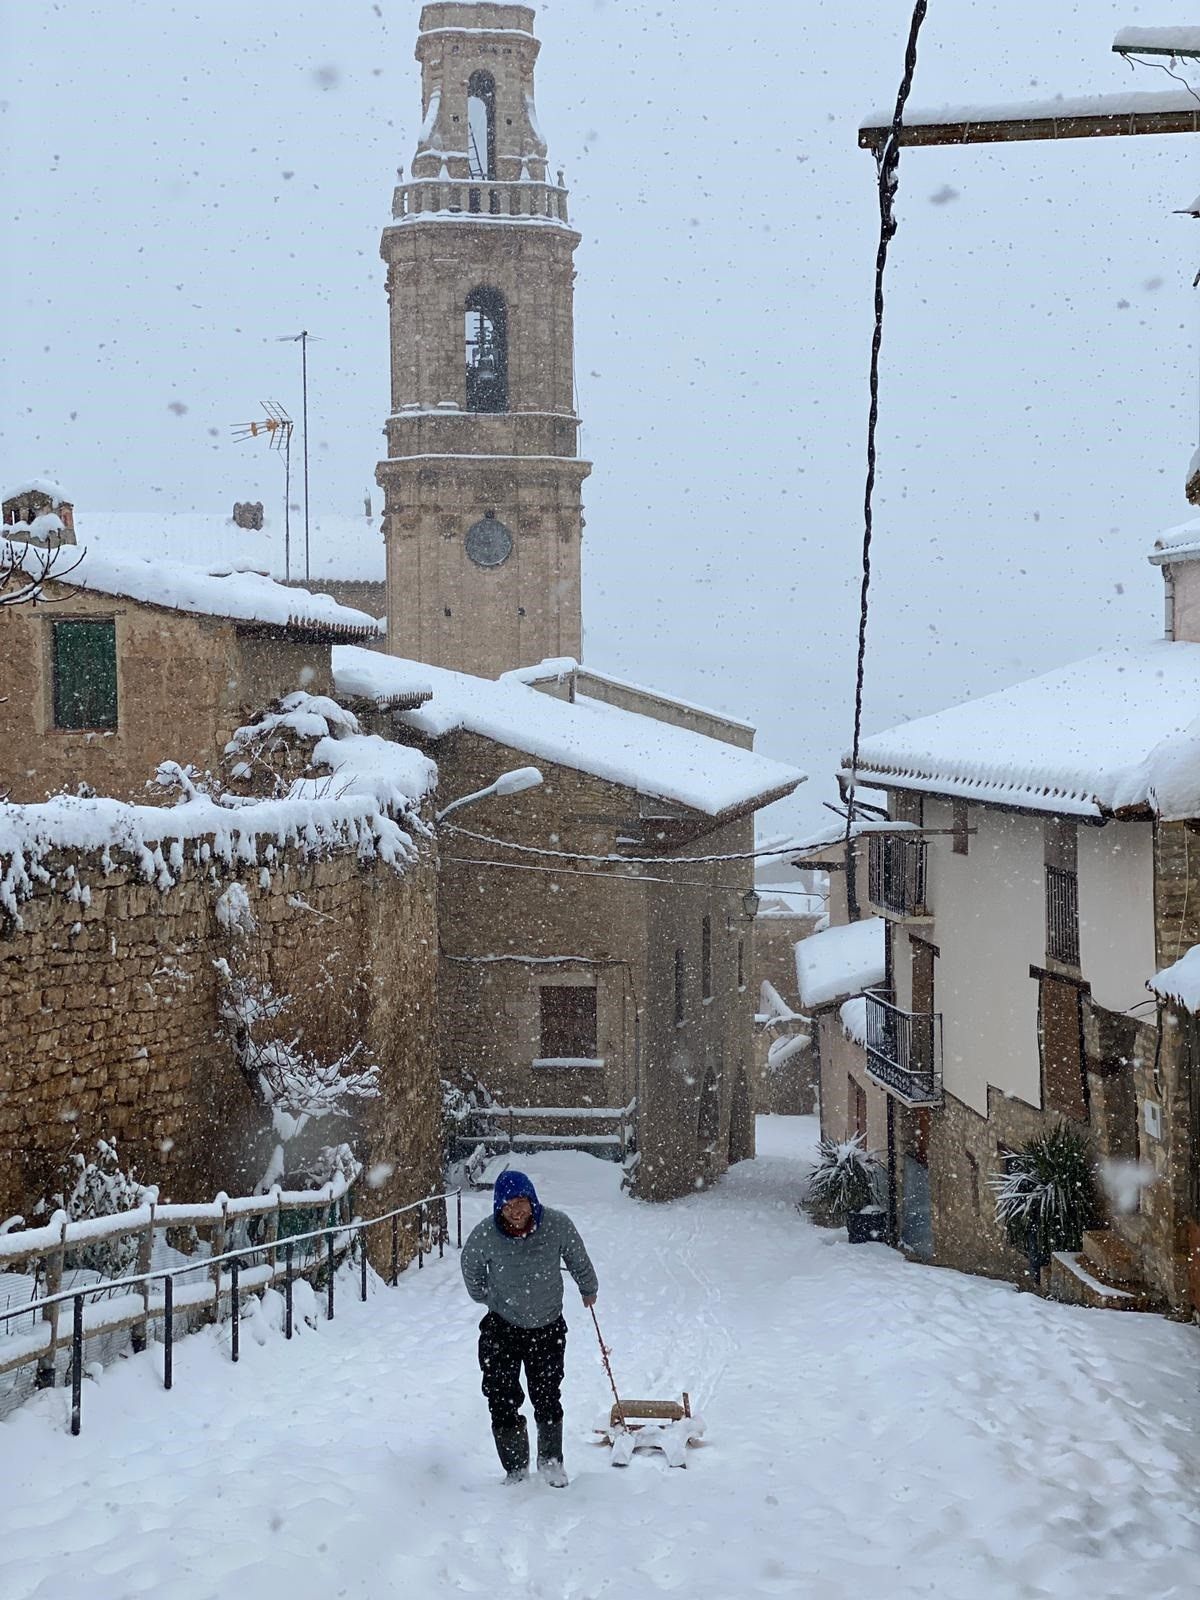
column 888, row 175
column 765, row 853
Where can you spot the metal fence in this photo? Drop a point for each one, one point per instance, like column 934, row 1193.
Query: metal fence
column 1062, row 916
column 904, row 1051
column 131, row 1301
column 606, row 1131
column 896, row 874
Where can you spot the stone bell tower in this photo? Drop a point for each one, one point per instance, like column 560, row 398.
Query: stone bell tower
column 482, row 482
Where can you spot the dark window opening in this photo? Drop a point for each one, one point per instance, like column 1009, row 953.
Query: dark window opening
column 481, row 126
column 856, row 1120
column 741, row 963
column 706, row 983
column 487, row 351
column 680, row 987
column 568, row 1023
column 708, row 1125
column 85, row 673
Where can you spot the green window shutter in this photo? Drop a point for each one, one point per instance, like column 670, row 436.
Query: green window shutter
column 85, row 674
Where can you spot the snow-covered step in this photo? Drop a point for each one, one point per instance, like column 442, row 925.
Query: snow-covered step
column 1073, row 1284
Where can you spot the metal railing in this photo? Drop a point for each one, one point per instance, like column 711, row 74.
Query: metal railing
column 896, row 873
column 138, row 1306
column 904, row 1051
column 496, row 1127
column 1062, row 916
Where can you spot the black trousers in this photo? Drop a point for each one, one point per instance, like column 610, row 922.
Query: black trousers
column 503, row 1350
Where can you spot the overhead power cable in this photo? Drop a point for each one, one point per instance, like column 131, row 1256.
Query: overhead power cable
column 654, row 861
column 889, row 177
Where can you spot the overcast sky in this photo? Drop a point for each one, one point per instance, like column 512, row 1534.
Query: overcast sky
column 186, row 182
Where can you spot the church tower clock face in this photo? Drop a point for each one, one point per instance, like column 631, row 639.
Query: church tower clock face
column 489, row 543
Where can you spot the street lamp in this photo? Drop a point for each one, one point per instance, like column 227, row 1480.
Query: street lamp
column 751, row 903
column 507, row 783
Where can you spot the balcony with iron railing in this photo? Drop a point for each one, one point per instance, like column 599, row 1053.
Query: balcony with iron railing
column 904, row 1051
column 896, row 875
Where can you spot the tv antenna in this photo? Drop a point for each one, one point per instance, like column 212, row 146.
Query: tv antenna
column 277, row 428
column 302, row 339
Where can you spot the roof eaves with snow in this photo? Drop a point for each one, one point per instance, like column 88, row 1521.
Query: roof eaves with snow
column 256, row 603
column 1182, row 542
column 840, row 962
column 655, row 759
column 1115, row 734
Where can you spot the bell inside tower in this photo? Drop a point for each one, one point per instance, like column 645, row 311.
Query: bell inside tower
column 486, row 351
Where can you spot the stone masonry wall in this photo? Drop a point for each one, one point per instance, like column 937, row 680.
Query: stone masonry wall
column 110, row 1027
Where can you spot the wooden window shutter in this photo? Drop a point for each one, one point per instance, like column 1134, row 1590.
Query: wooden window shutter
column 1060, row 1023
column 85, row 673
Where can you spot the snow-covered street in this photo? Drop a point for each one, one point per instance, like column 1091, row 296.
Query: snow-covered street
column 874, row 1428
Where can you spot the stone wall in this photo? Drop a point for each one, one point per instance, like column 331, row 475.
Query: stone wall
column 109, row 996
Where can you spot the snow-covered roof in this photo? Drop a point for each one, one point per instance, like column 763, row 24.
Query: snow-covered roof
column 1180, row 40
column 1183, row 540
column 53, row 491
column 781, row 1050
column 1180, row 981
column 340, row 547
column 788, row 900
column 654, row 758
column 1143, row 102
column 839, row 962
column 1120, row 729
column 854, row 1019
column 240, row 596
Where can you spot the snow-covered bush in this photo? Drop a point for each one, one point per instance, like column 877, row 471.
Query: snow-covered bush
column 295, row 1086
column 101, row 1187
column 847, row 1178
column 1048, row 1191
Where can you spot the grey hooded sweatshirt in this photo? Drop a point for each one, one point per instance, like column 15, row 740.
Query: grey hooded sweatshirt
column 520, row 1279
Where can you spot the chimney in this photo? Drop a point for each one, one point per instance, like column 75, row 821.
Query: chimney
column 38, row 512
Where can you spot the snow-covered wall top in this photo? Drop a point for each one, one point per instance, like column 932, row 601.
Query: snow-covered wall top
column 240, row 596
column 1118, row 729
column 839, row 962
column 1181, row 542
column 368, row 802
column 345, row 547
column 654, row 758
column 53, row 491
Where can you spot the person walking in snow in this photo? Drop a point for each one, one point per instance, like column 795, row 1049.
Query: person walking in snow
column 511, row 1265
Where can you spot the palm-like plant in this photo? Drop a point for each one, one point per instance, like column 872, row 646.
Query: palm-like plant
column 845, row 1179
column 1048, row 1194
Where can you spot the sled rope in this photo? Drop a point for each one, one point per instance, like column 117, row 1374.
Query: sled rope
column 605, row 1352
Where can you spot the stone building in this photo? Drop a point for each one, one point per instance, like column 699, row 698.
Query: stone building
column 127, row 662
column 593, row 956
column 787, row 1077
column 1037, row 881
column 482, row 481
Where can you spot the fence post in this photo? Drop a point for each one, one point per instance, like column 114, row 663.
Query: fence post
column 395, row 1250
column 138, row 1336
column 362, row 1260
column 168, row 1329
column 220, row 1239
column 330, row 1258
column 288, row 1252
column 421, row 1236
column 55, row 1265
column 234, row 1307
column 77, row 1364
column 271, row 1235
column 442, row 1227
column 512, row 1130
column 458, row 1207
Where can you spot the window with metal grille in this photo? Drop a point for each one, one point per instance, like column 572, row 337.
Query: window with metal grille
column 568, row 1022
column 85, row 672
column 1062, row 916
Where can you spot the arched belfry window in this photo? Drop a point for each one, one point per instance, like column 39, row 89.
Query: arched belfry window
column 487, row 351
column 481, row 126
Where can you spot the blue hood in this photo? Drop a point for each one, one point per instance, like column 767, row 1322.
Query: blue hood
column 510, row 1186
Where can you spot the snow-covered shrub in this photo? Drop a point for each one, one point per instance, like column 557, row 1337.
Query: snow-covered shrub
column 847, row 1177
column 1049, row 1191
column 295, row 1086
column 101, row 1187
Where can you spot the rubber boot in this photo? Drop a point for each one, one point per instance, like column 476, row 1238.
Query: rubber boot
column 549, row 1456
column 512, row 1446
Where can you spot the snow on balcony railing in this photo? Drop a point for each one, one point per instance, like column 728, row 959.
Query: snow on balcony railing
column 904, row 1051
column 424, row 199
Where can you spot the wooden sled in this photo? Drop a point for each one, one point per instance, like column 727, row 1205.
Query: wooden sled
column 666, row 1425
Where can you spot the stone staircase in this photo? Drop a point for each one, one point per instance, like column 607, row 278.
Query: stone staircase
column 1103, row 1274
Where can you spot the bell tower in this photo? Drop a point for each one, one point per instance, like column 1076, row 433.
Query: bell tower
column 482, row 481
